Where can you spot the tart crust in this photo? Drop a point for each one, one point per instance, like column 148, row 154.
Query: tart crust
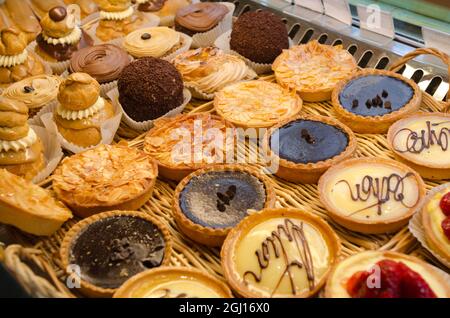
column 374, row 124
column 87, row 288
column 309, row 172
column 207, row 235
column 368, row 226
column 237, row 233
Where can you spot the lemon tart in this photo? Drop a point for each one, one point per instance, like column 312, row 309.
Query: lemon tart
column 279, row 253
column 371, row 195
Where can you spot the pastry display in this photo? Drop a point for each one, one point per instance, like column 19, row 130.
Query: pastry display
column 313, row 69
column 398, row 276
column 103, row 62
column 188, row 142
column 21, row 150
column 81, row 110
column 117, row 19
column 200, row 17
column 279, row 253
column 306, row 146
column 160, row 42
column 422, row 142
column 164, row 9
column 105, row 178
column 372, row 100
column 111, row 247
column 149, row 88
column 260, row 36
column 20, row 17
column 16, row 63
column 371, row 195
column 256, row 104
column 211, row 201
column 173, row 282
column 29, row 207
column 435, row 217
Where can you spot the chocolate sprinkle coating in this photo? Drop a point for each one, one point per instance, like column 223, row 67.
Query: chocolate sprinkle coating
column 149, row 88
column 259, row 36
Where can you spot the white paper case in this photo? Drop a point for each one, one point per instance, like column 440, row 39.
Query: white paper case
column 36, row 119
column 56, row 67
column 417, row 229
column 146, row 125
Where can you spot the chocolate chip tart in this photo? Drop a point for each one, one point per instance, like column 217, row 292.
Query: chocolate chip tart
column 103, row 251
column 255, row 267
column 370, row 101
column 209, row 202
column 306, row 146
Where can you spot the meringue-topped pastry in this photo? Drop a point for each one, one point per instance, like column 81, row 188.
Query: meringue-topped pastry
column 21, row 150
column 207, row 70
column 16, row 63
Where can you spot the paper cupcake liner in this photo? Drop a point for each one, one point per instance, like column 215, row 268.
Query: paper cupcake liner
column 416, row 228
column 187, row 43
column 207, row 38
column 52, row 152
column 104, row 88
column 108, row 130
column 36, row 119
column 146, row 125
column 56, row 67
column 196, row 93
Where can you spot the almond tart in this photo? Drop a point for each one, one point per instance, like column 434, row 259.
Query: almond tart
column 185, row 143
column 371, row 195
column 422, row 141
column 371, row 100
column 386, row 274
column 106, row 249
column 306, row 146
column 211, row 201
column 105, row 178
column 279, row 253
column 173, row 282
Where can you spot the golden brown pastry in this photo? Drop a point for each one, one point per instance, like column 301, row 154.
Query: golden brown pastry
column 81, row 111
column 87, row 7
column 23, row 18
column 21, row 150
column 164, row 9
column 41, row 7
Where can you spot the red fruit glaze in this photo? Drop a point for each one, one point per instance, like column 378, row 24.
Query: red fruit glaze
column 445, row 204
column 446, row 226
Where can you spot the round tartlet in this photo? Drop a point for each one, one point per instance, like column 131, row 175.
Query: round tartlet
column 342, row 271
column 371, row 195
column 209, row 202
column 310, row 247
column 105, row 178
column 173, row 282
column 422, row 142
column 110, row 247
column 306, row 147
column 370, row 101
column 313, row 69
column 163, row 143
column 256, row 104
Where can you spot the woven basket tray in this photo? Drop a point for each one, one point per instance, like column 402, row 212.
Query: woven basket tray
column 36, row 264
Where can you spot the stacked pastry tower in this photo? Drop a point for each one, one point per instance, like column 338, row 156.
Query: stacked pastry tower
column 81, row 110
column 15, row 61
column 21, row 150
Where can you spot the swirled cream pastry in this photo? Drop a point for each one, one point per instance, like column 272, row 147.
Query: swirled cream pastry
column 155, row 42
column 81, row 111
column 117, row 19
column 21, row 150
column 61, row 36
column 36, row 91
column 208, row 70
column 16, row 63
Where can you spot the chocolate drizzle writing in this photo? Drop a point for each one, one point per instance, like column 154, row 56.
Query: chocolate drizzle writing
column 384, row 189
column 295, row 235
column 167, row 293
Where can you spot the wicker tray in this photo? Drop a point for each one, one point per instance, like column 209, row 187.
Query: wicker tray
column 36, row 265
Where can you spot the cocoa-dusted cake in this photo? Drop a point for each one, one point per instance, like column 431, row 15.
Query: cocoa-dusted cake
column 149, row 88
column 259, row 36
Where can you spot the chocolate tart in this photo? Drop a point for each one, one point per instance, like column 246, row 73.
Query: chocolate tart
column 211, row 201
column 337, row 281
column 422, row 141
column 111, row 247
column 173, row 282
column 372, row 100
column 255, row 267
column 306, row 146
column 371, row 195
